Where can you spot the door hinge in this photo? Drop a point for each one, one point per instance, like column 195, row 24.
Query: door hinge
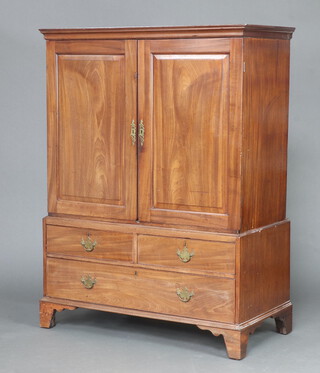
column 136, row 75
column 244, row 67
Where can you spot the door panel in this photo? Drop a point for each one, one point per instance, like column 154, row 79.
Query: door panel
column 96, row 102
column 90, row 146
column 190, row 109
column 186, row 164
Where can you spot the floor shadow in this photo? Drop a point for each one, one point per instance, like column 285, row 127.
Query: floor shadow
column 158, row 331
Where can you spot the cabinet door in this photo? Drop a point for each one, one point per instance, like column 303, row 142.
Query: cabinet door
column 190, row 104
column 92, row 168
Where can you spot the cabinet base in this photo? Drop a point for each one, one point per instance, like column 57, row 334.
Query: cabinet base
column 236, row 341
column 48, row 311
column 236, row 336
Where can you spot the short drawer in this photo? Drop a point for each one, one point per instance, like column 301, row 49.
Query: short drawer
column 85, row 243
column 186, row 253
column 194, row 296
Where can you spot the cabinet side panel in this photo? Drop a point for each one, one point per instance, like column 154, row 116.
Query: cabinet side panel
column 44, row 244
column 51, row 126
column 265, row 130
column 264, row 278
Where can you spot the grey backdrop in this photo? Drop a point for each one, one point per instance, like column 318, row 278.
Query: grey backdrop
column 23, row 195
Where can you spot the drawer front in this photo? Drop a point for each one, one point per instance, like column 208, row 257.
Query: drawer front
column 93, row 244
column 186, row 253
column 148, row 290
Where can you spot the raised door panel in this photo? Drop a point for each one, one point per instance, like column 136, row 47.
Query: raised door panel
column 189, row 160
column 190, row 109
column 92, row 154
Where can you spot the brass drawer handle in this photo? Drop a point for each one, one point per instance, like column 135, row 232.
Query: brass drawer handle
column 88, row 281
column 185, row 255
column 184, row 294
column 88, row 244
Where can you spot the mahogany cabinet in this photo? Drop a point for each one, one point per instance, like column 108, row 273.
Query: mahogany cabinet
column 167, row 159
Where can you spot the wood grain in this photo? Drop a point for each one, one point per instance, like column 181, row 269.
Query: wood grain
column 284, row 321
column 264, row 273
column 236, row 344
column 190, row 99
column 95, row 47
column 91, row 159
column 211, row 175
column 202, row 324
column 207, row 256
column 236, row 339
column 185, row 167
column 89, row 135
column 48, row 311
column 44, row 259
column 109, row 245
column 52, row 110
column 140, row 229
column 235, row 135
column 175, row 32
column 152, row 291
column 265, row 132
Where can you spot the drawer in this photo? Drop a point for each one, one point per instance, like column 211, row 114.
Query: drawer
column 142, row 289
column 86, row 243
column 186, row 253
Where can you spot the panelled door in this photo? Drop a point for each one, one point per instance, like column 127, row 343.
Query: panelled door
column 190, row 102
column 92, row 161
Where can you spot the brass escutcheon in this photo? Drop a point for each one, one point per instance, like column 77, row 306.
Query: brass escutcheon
column 141, row 133
column 184, row 294
column 133, row 132
column 184, row 254
column 88, row 244
column 88, row 281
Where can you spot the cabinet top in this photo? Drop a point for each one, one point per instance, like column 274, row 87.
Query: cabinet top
column 230, row 31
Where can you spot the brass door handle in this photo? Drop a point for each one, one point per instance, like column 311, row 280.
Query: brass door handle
column 88, row 281
column 88, row 244
column 185, row 255
column 133, row 132
column 184, row 294
column 141, row 133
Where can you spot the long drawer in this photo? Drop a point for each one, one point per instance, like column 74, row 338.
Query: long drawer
column 186, row 253
column 86, row 243
column 163, row 292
